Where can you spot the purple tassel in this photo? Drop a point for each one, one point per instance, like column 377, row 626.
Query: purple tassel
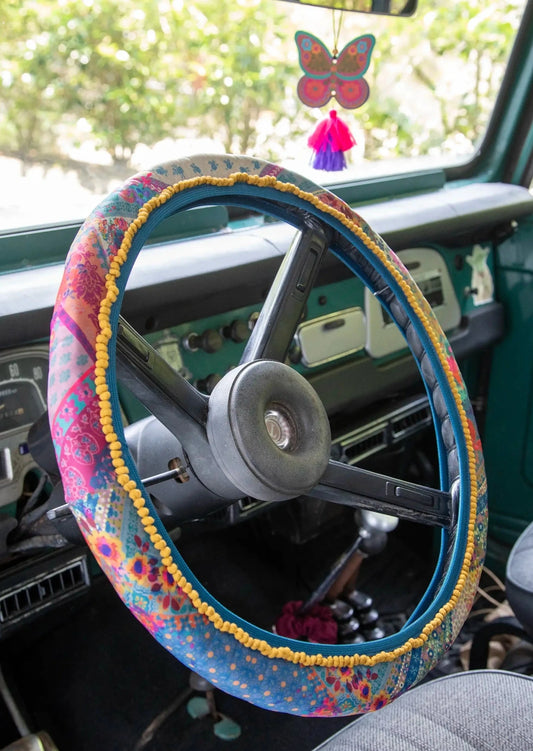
column 326, row 159
column 329, row 141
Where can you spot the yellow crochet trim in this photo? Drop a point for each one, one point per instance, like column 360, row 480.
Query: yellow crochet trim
column 135, row 493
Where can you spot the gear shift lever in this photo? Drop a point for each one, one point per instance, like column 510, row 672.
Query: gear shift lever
column 370, row 540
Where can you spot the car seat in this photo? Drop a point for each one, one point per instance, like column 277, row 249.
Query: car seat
column 519, row 591
column 471, row 711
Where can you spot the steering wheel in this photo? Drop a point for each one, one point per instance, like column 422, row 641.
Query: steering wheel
column 263, row 433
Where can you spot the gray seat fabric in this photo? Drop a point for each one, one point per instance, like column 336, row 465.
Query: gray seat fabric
column 481, row 710
column 519, row 579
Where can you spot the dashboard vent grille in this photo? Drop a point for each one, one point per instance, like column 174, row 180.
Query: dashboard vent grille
column 365, row 447
column 410, row 422
column 42, row 591
column 384, row 432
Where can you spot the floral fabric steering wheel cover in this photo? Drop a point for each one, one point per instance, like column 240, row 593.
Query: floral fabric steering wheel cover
column 116, row 515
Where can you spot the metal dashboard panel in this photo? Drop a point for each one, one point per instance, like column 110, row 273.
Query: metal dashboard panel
column 429, row 270
column 325, row 339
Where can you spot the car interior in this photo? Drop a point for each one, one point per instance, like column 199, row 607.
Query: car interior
column 279, row 411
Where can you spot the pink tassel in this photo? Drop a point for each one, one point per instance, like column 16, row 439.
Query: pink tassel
column 330, row 139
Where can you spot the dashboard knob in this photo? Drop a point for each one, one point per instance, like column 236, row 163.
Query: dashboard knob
column 237, row 331
column 208, row 383
column 210, row 341
column 192, row 342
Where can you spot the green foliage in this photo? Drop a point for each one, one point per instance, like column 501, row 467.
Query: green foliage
column 32, row 85
column 114, row 55
column 119, row 74
column 90, row 66
column 440, row 76
column 138, row 72
column 235, row 70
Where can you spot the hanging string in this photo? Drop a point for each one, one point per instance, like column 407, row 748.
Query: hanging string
column 336, row 22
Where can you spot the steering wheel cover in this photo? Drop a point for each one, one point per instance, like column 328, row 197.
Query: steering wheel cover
column 116, row 515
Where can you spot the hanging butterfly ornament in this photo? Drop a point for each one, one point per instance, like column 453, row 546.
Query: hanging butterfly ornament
column 339, row 76
column 333, row 75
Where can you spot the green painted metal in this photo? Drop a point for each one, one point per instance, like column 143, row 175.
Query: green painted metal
column 508, row 435
column 392, row 186
column 42, row 246
column 520, row 171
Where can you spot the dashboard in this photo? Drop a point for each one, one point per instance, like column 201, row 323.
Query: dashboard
column 196, row 300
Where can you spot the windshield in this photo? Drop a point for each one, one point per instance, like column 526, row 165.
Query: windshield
column 92, row 91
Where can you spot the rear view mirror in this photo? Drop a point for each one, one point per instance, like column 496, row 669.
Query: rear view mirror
column 381, row 7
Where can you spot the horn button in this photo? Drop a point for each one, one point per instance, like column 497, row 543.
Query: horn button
column 268, row 431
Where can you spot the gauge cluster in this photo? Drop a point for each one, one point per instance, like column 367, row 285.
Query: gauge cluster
column 23, row 387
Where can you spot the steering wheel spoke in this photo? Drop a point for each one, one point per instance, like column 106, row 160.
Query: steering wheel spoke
column 164, row 392
column 288, row 295
column 351, row 486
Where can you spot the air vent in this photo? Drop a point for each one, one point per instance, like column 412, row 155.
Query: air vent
column 384, row 432
column 43, row 591
column 364, row 447
column 407, row 423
